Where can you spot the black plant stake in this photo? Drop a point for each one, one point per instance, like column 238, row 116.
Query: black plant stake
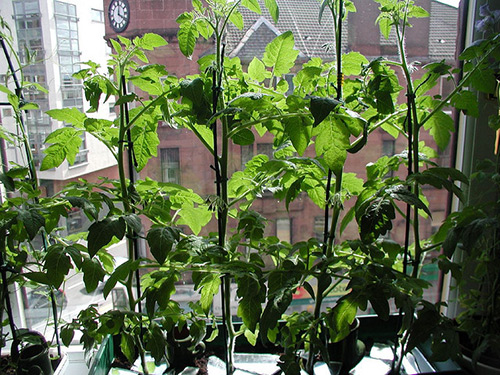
column 132, row 162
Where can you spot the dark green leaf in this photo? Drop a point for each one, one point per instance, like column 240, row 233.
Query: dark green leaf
column 127, row 346
column 85, row 204
column 244, row 137
column 67, row 334
column 155, row 342
column 102, row 232
column 321, row 107
column 8, row 182
column 298, row 128
column 161, row 240
column 92, row 274
column 32, row 221
column 120, row 274
column 401, row 193
column 57, row 264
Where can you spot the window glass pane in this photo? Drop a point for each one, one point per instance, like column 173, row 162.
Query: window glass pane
column 170, row 166
column 388, row 147
column 265, row 149
column 97, row 15
column 61, row 8
column 246, row 155
column 283, row 229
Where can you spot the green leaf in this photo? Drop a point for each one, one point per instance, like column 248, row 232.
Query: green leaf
column 376, row 220
column 249, row 309
column 155, row 342
column 57, row 264
column 145, row 142
column 69, row 115
column 273, row 9
column 385, row 25
column 84, row 204
column 32, row 221
column 209, row 284
column 38, row 277
column 127, row 346
column 484, row 80
column 299, row 130
column 243, row 137
column 401, row 193
column 440, row 127
column 332, row 141
column 293, row 191
column 352, row 63
column 417, row 12
column 187, row 36
column 280, row 54
column 102, row 232
column 253, row 5
column 467, row 102
column 193, row 92
column 237, row 19
column 92, row 274
column 67, row 334
column 161, row 240
column 8, row 182
column 343, row 315
column 150, row 41
column 126, row 99
column 257, row 70
column 120, row 274
column 194, row 217
column 66, row 145
column 321, row 107
column 29, row 106
column 133, row 222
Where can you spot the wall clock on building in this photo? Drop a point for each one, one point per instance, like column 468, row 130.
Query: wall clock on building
column 119, row 15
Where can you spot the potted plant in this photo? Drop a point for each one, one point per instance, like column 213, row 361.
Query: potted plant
column 222, row 106
column 470, row 235
column 28, row 224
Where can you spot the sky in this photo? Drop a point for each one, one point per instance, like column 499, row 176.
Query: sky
column 450, row 2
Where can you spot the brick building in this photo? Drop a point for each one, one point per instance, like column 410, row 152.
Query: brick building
column 180, row 157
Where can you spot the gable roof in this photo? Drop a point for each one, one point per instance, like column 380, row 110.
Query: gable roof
column 311, row 37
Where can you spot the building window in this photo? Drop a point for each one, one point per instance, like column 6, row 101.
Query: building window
column 170, row 166
column 319, row 228
column 97, row 15
column 246, row 155
column 388, row 147
column 67, row 41
column 74, row 222
column 7, row 112
column 283, row 231
column 69, row 58
column 265, row 149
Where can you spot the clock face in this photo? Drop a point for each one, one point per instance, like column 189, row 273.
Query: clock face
column 119, row 15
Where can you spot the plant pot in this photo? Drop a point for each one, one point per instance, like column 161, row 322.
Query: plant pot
column 486, row 364
column 34, row 359
column 370, row 329
column 348, row 351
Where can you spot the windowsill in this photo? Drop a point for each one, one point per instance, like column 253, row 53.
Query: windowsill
column 75, row 166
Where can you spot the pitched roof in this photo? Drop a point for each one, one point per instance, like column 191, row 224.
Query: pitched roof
column 299, row 16
column 311, row 37
column 443, row 31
